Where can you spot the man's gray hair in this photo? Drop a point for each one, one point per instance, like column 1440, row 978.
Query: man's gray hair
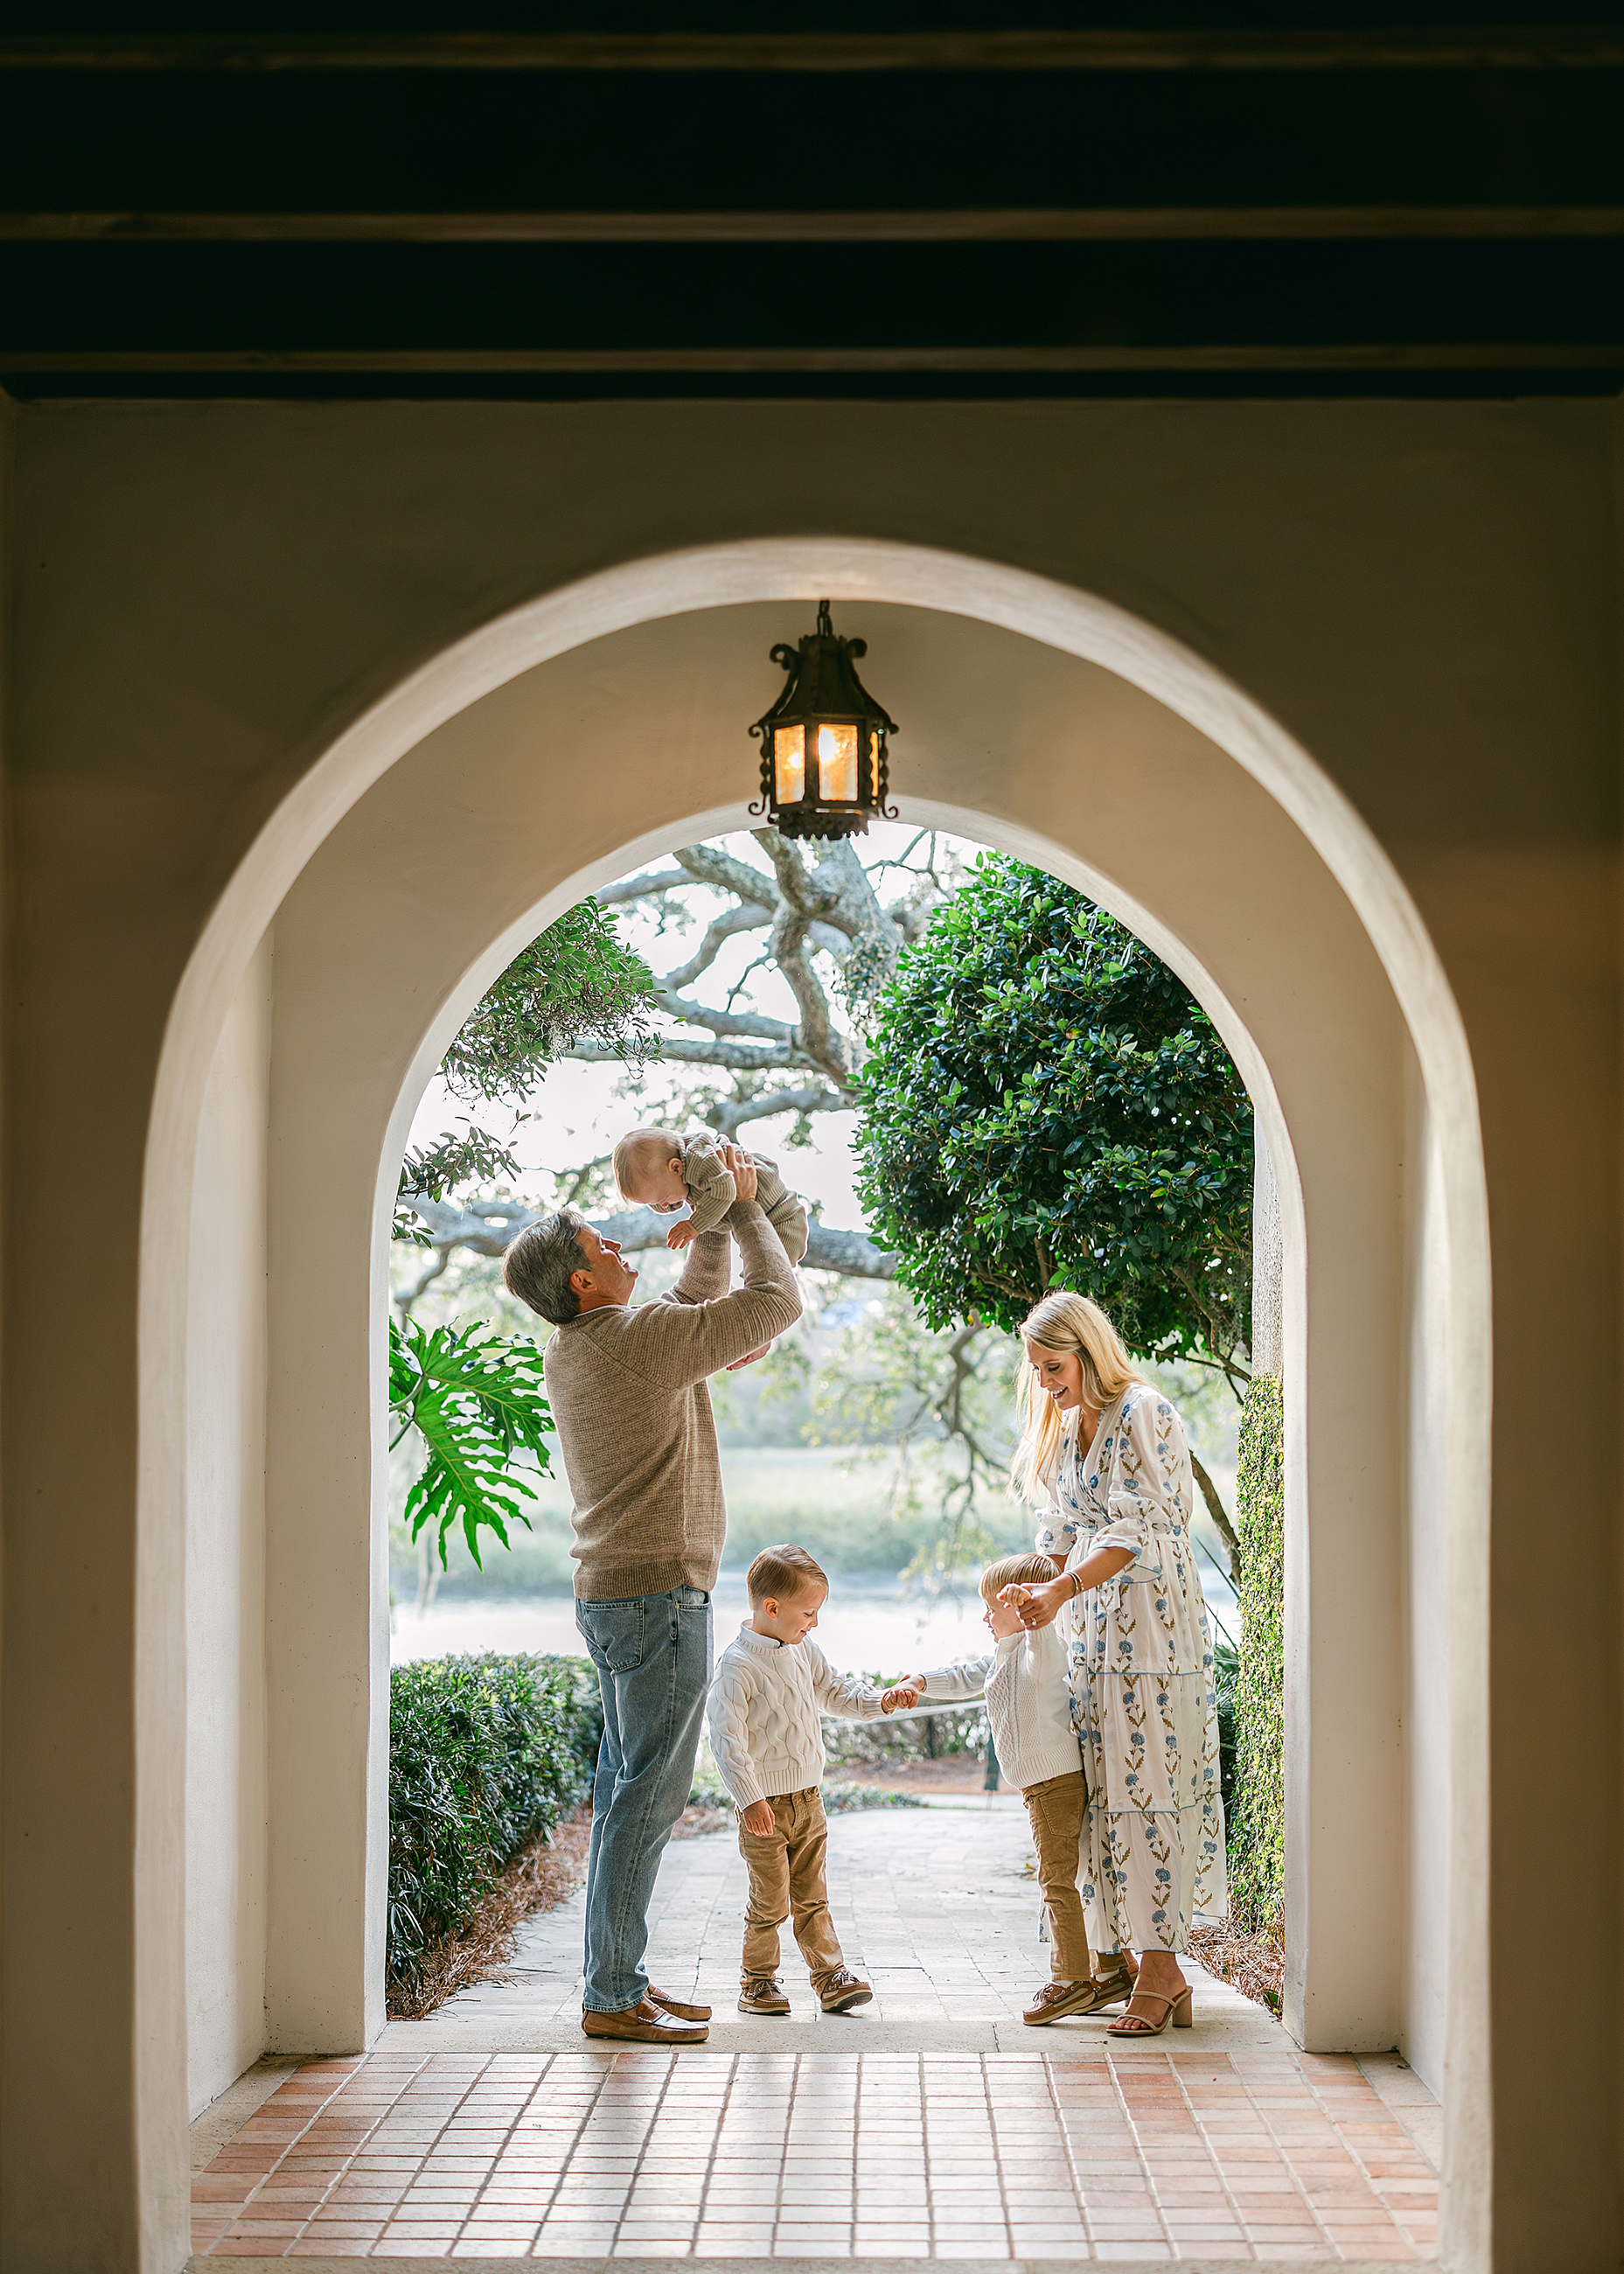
column 537, row 1266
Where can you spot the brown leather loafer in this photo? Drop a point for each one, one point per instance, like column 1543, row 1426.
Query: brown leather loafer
column 642, row 2024
column 842, row 1992
column 675, row 2005
column 762, row 1995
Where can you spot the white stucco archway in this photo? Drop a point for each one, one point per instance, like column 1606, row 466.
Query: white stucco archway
column 390, row 905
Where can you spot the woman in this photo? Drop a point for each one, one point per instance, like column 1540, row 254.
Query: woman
column 1105, row 1454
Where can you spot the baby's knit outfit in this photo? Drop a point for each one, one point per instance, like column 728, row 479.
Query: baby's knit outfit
column 768, row 1741
column 713, row 1189
column 1029, row 1711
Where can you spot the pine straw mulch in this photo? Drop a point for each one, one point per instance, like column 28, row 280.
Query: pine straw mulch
column 538, row 1878
column 1254, row 1964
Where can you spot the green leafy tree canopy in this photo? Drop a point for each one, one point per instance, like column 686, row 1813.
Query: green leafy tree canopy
column 578, row 980
column 475, row 1397
column 1046, row 1105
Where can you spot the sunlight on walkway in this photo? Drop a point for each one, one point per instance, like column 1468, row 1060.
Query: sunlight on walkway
column 932, row 2124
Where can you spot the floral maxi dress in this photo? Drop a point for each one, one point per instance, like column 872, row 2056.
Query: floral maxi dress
column 1139, row 1660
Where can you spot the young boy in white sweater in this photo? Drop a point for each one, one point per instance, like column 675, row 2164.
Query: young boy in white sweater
column 770, row 1684
column 1029, row 1710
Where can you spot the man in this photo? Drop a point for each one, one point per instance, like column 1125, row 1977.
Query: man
column 629, row 1397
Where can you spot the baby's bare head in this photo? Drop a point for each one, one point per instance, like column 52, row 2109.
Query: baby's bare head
column 648, row 1169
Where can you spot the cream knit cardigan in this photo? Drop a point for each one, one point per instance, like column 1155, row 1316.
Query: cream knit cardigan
column 765, row 1700
column 1028, row 1704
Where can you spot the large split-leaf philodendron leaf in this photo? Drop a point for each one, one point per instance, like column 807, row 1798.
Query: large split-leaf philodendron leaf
column 476, row 1400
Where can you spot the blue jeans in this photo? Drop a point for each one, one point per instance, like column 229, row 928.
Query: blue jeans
column 652, row 1653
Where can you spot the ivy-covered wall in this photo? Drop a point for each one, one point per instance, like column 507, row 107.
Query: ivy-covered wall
column 1258, row 1821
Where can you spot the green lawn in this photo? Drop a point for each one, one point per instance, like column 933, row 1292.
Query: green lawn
column 811, row 1493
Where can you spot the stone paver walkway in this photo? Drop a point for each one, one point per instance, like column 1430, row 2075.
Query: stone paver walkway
column 930, row 2125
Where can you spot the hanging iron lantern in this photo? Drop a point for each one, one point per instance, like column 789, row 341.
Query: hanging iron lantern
column 822, row 763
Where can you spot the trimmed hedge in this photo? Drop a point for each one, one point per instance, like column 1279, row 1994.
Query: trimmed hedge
column 1257, row 1845
column 485, row 1754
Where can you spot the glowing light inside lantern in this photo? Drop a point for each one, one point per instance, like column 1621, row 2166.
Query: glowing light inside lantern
column 837, row 762
column 789, row 761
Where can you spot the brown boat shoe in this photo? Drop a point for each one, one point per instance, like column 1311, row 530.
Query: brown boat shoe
column 761, row 1995
column 1056, row 2000
column 843, row 1991
column 642, row 2024
column 1111, row 1986
column 667, row 2004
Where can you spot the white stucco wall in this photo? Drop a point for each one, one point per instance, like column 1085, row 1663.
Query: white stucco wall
column 226, row 1801
column 210, row 604
column 1425, row 1595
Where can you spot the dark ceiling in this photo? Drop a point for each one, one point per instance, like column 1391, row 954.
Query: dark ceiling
column 959, row 202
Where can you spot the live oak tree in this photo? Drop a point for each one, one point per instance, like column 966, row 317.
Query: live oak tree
column 475, row 1397
column 823, row 927
column 578, row 991
column 1047, row 1105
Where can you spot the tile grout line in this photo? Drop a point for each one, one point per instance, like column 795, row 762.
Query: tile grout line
column 345, row 2167
column 1325, row 2239
column 253, row 2193
column 264, row 2176
column 1228, row 2193
column 789, row 2126
column 496, row 2160
column 605, row 2072
column 1374, row 2186
column 480, row 2191
column 716, row 2141
column 422, row 2160
column 857, row 2186
column 924, row 2149
column 642, row 2149
column 1083, row 2212
column 567, row 2158
column 998, row 2153
column 1132, row 2122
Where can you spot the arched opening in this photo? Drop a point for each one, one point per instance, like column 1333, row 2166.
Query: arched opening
column 596, row 730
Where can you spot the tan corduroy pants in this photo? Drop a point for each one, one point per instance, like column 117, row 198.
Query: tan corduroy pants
column 1056, row 1808
column 786, row 1882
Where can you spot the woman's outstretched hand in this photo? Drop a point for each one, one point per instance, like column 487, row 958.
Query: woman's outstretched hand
column 1039, row 1606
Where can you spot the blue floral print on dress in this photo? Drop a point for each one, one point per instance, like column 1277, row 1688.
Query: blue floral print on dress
column 1149, row 1737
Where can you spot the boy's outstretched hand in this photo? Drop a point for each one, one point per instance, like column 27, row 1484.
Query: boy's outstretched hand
column 757, row 1817
column 680, row 1234
column 900, row 1699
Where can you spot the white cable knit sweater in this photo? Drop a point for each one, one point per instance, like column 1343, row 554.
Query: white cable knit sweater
column 766, row 1698
column 1028, row 1704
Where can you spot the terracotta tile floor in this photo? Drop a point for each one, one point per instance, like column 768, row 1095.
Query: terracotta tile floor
column 1093, row 2151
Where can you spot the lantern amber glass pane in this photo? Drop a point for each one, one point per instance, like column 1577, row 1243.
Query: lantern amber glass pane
column 789, row 765
column 837, row 763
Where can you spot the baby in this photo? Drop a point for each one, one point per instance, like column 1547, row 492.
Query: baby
column 1029, row 1709
column 771, row 1685
column 666, row 1173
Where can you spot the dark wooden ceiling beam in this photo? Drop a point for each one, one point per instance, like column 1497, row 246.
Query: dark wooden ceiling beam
column 1101, row 224
column 1355, row 357
column 1527, row 48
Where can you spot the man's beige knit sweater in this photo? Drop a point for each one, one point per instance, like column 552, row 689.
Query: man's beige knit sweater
column 628, row 1385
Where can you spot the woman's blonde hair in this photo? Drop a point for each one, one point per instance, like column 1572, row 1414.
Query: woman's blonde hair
column 1067, row 1325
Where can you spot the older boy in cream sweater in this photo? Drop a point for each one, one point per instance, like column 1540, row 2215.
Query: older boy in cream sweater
column 771, row 1683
